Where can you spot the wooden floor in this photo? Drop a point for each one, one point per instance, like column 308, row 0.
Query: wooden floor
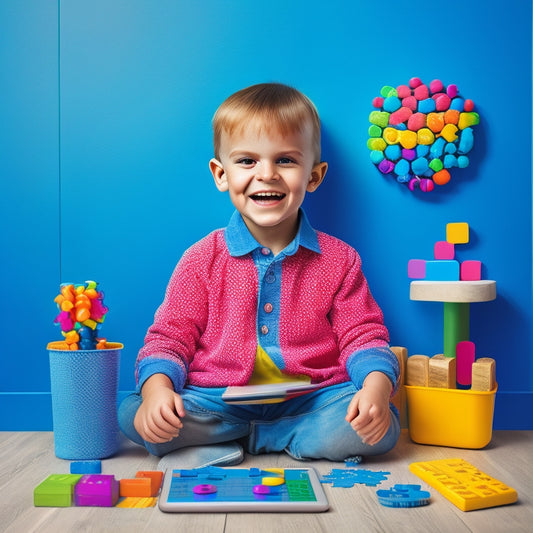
column 28, row 458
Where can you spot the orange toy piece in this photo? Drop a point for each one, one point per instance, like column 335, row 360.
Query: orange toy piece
column 137, row 487
column 435, row 122
column 442, row 177
column 155, row 476
column 451, row 116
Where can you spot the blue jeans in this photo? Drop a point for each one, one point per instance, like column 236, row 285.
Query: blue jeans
column 311, row 426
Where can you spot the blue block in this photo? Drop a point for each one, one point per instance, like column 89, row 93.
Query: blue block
column 437, row 148
column 419, row 165
column 391, row 104
column 376, row 156
column 402, row 168
column 393, row 152
column 442, row 270
column 450, row 161
column 426, row 106
column 86, row 467
column 457, row 103
column 463, row 161
column 422, row 150
column 467, row 141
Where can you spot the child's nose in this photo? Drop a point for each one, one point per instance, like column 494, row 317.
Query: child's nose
column 267, row 171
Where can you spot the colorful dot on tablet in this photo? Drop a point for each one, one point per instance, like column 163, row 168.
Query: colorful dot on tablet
column 273, row 481
column 204, row 489
column 264, row 490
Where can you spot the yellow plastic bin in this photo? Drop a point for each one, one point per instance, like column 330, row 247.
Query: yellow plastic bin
column 450, row 417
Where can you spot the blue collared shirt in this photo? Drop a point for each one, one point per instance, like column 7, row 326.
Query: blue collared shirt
column 241, row 242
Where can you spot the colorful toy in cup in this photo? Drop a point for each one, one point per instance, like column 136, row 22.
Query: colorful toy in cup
column 81, row 313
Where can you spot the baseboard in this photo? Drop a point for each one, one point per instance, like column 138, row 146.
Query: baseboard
column 32, row 411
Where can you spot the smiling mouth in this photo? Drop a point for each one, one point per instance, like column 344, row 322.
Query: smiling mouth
column 267, row 196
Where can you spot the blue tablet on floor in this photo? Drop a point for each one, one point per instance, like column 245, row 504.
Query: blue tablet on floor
column 225, row 490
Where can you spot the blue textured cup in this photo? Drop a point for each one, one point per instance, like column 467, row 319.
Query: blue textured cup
column 84, row 401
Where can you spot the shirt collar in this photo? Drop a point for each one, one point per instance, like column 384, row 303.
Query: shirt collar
column 240, row 241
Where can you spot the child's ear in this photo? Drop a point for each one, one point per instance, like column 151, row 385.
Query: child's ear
column 317, row 176
column 216, row 168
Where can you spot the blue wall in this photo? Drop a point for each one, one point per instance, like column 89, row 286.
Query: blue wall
column 105, row 110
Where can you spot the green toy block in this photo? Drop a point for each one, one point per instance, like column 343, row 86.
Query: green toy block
column 56, row 490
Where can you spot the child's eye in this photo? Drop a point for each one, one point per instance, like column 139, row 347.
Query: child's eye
column 247, row 161
column 285, row 161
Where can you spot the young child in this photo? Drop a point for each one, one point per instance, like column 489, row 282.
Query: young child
column 267, row 299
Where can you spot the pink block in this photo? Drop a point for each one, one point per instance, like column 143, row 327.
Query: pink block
column 416, row 269
column 470, row 270
column 444, row 250
column 465, row 356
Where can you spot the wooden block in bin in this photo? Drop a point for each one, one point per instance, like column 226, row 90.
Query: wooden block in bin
column 442, row 371
column 484, row 374
column 418, row 370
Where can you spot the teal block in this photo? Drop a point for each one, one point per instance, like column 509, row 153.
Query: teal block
column 444, row 270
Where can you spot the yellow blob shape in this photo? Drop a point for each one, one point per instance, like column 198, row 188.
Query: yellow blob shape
column 273, row 481
column 391, row 136
column 468, row 119
column 425, row 136
column 408, row 139
column 449, row 132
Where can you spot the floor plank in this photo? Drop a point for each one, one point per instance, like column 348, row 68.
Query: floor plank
column 26, row 458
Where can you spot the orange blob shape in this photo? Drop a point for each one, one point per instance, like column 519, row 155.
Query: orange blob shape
column 442, row 177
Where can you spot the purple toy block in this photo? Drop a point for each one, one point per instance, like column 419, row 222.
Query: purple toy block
column 442, row 271
column 416, row 269
column 470, row 270
column 444, row 250
column 97, row 490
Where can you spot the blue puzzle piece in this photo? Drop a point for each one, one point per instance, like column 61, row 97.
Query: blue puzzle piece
column 348, row 477
column 403, row 496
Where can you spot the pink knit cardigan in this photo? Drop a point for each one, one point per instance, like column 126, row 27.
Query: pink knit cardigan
column 205, row 331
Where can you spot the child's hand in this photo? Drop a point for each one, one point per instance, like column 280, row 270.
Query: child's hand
column 158, row 418
column 369, row 411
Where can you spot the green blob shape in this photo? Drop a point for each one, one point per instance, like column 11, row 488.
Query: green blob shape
column 387, row 91
column 374, row 131
column 377, row 144
column 379, row 118
column 436, row 165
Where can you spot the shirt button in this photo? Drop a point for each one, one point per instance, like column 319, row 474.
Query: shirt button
column 264, row 330
column 265, row 251
column 268, row 308
column 270, row 277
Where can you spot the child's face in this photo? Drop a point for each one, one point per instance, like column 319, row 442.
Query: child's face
column 267, row 175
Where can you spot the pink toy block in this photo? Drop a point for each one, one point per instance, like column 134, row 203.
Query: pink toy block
column 471, row 271
column 98, row 490
column 416, row 269
column 457, row 232
column 442, row 271
column 444, row 250
column 465, row 355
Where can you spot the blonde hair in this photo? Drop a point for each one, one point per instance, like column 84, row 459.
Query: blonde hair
column 273, row 106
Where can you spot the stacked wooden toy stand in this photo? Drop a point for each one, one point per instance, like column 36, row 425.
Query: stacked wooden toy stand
column 450, row 396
